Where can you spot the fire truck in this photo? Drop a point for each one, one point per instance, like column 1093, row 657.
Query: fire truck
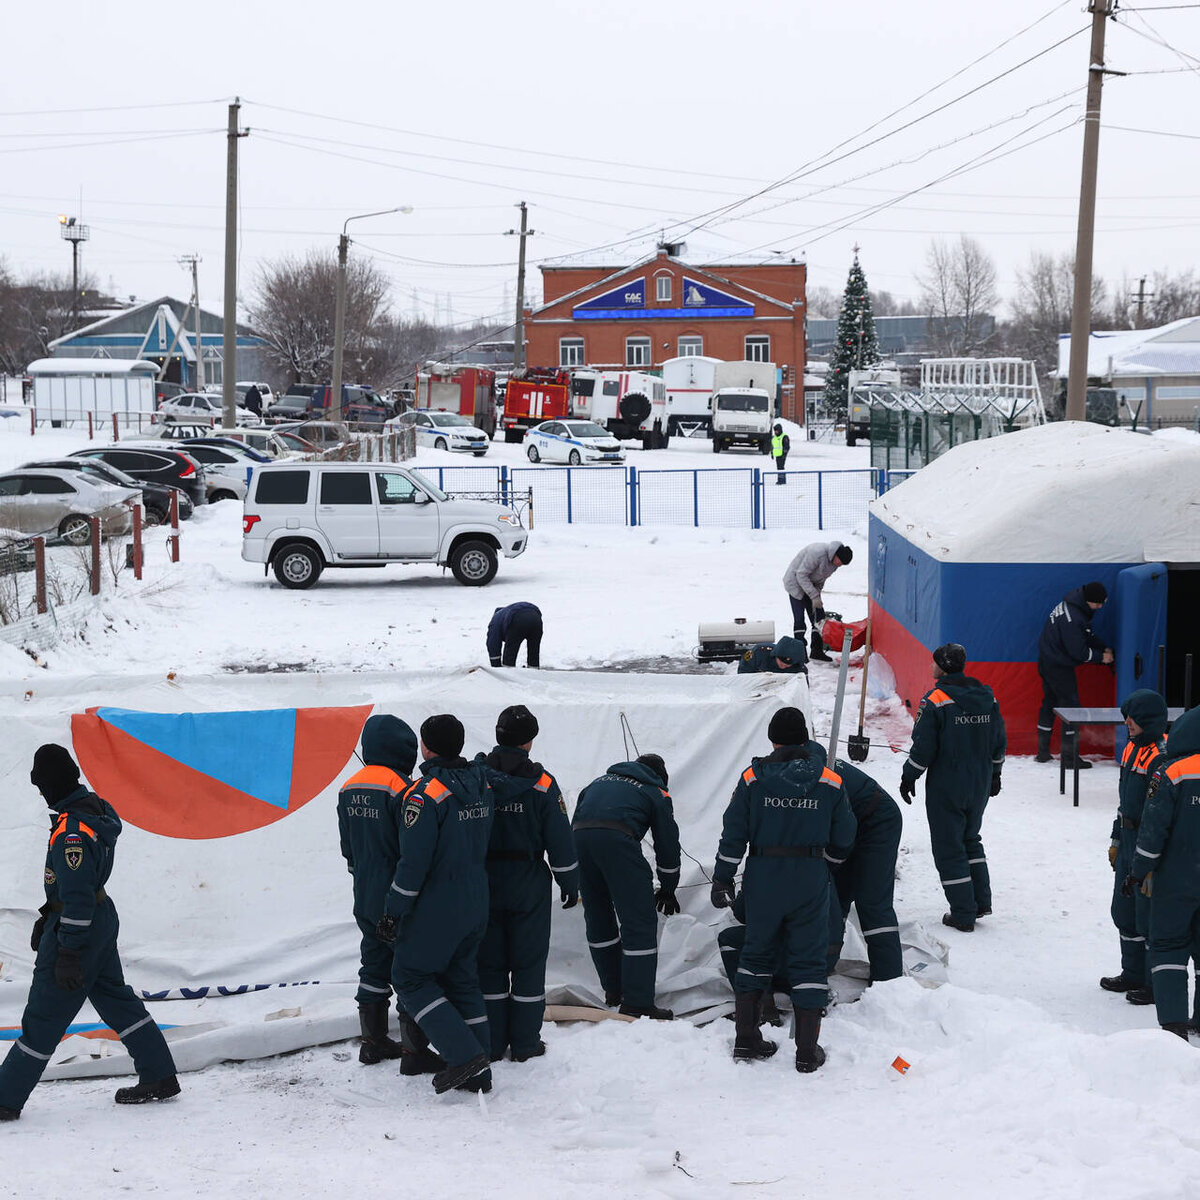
column 469, row 391
column 534, row 395
column 629, row 404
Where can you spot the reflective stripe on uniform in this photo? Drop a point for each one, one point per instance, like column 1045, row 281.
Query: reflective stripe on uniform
column 748, row 775
column 1147, row 854
column 973, row 861
column 403, row 891
column 1169, row 967
column 32, row 1053
column 832, row 777
column 756, row 974
column 1126, row 938
column 913, row 762
column 543, row 784
column 952, row 882
column 602, row 945
column 799, row 987
column 635, row 953
column 530, row 999
column 560, row 870
column 475, row 1020
column 430, row 1007
column 668, row 870
column 370, row 987
column 436, row 790
column 135, row 1027
column 726, row 858
column 495, row 995
column 881, row 929
column 72, row 921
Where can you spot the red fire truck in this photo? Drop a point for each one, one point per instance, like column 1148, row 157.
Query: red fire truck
column 534, row 395
column 470, row 391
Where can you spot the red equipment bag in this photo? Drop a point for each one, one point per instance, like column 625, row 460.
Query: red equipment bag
column 833, row 632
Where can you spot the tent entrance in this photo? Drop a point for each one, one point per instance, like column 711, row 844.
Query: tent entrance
column 1183, row 633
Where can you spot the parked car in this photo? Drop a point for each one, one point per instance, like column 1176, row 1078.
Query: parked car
column 443, row 431
column 292, row 405
column 264, row 391
column 303, row 517
column 324, row 435
column 272, row 442
column 156, row 464
column 156, row 497
column 360, row 405
column 226, row 468
column 231, row 442
column 200, row 408
column 62, row 503
column 572, row 442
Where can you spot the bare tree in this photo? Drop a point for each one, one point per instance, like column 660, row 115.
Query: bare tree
column 294, row 312
column 823, row 303
column 885, row 304
column 958, row 286
column 33, row 312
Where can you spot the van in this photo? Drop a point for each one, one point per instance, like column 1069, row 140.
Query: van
column 300, row 518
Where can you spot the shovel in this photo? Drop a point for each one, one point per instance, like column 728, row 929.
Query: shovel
column 857, row 746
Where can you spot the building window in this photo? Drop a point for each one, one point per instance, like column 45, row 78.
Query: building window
column 758, row 347
column 662, row 288
column 637, row 352
column 570, row 352
column 691, row 346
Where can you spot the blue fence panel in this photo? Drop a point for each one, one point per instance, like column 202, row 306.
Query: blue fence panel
column 890, row 479
column 463, row 479
column 710, row 497
column 816, row 499
column 565, row 495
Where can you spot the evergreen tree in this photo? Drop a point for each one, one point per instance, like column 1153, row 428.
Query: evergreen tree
column 857, row 345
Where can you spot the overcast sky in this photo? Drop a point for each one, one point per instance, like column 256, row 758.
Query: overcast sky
column 615, row 121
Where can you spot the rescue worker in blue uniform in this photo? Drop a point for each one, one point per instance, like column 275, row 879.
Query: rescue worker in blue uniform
column 958, row 737
column 787, row 656
column 75, row 938
column 791, row 813
column 1067, row 642
column 1145, row 714
column 369, row 806
column 530, row 823
column 867, row 879
column 508, row 628
column 437, row 906
column 730, row 941
column 1168, row 845
column 612, row 816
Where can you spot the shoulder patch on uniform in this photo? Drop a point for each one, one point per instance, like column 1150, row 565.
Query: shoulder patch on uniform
column 73, row 852
column 412, row 811
column 748, row 775
column 543, row 784
column 828, row 776
column 436, row 790
column 562, row 804
column 938, row 697
column 748, row 656
column 50, row 878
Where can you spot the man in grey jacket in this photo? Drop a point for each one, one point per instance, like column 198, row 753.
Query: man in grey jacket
column 803, row 580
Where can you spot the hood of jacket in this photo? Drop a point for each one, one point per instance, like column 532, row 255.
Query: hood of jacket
column 1184, row 738
column 388, row 741
column 967, row 692
column 799, row 765
column 639, row 773
column 1149, row 710
column 98, row 815
column 510, row 771
column 1074, row 599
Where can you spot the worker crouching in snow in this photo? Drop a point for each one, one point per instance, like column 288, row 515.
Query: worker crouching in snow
column 784, row 657
column 791, row 814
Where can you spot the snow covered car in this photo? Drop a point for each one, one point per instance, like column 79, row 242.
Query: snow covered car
column 200, row 408
column 442, row 431
column 572, row 442
column 300, row 518
column 61, row 503
column 226, row 467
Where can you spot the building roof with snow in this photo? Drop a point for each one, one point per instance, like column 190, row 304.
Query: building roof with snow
column 1172, row 349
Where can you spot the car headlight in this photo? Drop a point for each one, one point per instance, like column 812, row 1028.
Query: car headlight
column 509, row 519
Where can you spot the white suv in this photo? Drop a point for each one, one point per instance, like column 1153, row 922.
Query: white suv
column 300, row 518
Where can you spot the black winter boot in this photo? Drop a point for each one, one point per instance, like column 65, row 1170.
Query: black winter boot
column 750, row 1045
column 816, row 648
column 375, row 1045
column 1119, row 983
column 653, row 1012
column 9, row 1114
column 520, row 1056
column 809, row 1056
column 1140, row 995
column 1043, row 750
column 770, row 1011
column 452, row 1077
column 143, row 1093
column 1178, row 1028
column 416, row 1057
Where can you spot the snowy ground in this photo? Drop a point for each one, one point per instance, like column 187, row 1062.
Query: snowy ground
column 1027, row 1080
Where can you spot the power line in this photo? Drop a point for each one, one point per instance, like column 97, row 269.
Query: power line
column 156, row 137
column 94, row 108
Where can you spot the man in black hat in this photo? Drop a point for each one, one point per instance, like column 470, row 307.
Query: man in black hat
column 791, row 812
column 530, row 823
column 612, row 816
column 958, row 737
column 76, row 943
column 436, row 910
column 1067, row 642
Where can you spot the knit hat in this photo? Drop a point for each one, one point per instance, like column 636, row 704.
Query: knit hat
column 844, row 555
column 791, row 650
column 788, row 728
column 951, row 657
column 1095, row 593
column 515, row 726
column 656, row 764
column 443, row 735
column 54, row 773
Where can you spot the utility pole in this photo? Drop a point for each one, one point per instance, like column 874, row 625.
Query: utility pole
column 193, row 260
column 1081, row 312
column 519, row 339
column 74, row 231
column 1139, row 298
column 229, row 318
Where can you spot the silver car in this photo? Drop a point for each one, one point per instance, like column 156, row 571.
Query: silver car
column 57, row 503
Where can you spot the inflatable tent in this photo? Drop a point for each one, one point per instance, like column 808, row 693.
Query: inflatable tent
column 980, row 545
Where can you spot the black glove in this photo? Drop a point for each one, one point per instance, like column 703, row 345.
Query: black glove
column 721, row 894
column 665, row 902
column 908, row 789
column 68, row 970
column 386, row 929
column 995, row 788
column 818, row 613
column 1130, row 885
column 570, row 897
column 39, row 927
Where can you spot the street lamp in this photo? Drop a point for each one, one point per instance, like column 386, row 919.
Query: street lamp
column 339, row 320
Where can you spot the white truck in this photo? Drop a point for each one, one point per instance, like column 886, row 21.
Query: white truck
column 629, row 404
column 71, row 389
column 743, row 405
column 860, row 386
column 689, row 384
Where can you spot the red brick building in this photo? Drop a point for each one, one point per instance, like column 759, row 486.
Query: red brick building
column 661, row 308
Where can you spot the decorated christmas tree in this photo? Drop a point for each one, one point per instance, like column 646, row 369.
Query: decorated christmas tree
column 856, row 344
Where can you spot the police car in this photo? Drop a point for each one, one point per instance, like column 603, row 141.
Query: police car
column 572, row 442
column 443, row 431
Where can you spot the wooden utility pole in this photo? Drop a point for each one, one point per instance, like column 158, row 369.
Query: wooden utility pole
column 193, row 260
column 1081, row 312
column 229, row 332
column 519, row 325
column 1139, row 298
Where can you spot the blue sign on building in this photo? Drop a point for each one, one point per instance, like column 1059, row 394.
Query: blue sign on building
column 628, row 303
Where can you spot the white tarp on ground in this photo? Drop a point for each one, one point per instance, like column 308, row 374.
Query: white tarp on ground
column 270, row 909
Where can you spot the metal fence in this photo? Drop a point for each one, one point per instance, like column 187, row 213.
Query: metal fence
column 733, row 498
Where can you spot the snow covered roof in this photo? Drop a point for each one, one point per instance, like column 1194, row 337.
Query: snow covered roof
column 1065, row 492
column 1172, row 349
column 92, row 366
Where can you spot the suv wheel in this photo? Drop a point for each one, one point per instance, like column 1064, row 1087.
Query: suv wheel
column 473, row 563
column 297, row 566
column 75, row 530
column 221, row 495
column 155, row 516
